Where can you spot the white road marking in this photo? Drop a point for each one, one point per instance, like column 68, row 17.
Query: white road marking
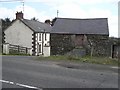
column 11, row 82
column 4, row 81
column 18, row 84
column 115, row 67
column 27, row 86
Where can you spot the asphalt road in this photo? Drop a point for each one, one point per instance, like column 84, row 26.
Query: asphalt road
column 26, row 72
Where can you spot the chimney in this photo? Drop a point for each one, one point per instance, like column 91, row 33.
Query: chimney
column 19, row 15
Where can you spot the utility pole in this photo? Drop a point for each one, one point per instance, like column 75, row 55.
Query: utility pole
column 57, row 13
column 23, row 5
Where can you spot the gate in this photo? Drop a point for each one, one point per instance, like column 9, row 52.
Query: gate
column 15, row 49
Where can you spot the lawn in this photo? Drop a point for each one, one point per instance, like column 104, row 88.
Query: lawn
column 86, row 59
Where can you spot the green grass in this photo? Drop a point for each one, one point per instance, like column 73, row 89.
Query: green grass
column 86, row 59
column 101, row 60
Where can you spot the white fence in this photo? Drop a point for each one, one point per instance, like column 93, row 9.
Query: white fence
column 16, row 49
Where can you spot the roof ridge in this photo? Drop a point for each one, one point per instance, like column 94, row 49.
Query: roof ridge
column 33, row 25
column 81, row 18
column 36, row 21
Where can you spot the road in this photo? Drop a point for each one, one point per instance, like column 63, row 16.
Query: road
column 27, row 72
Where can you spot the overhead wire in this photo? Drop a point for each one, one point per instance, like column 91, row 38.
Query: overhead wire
column 8, row 1
column 11, row 1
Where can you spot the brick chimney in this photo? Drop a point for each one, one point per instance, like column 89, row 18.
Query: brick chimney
column 19, row 15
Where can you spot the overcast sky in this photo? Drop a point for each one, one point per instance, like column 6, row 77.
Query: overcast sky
column 47, row 9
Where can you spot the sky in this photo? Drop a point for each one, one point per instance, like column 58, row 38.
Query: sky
column 80, row 9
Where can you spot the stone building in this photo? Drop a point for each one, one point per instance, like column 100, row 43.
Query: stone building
column 76, row 35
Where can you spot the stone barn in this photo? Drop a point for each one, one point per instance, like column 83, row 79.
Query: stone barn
column 69, row 35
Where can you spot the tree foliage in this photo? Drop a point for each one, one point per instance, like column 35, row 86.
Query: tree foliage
column 48, row 21
column 5, row 23
column 53, row 21
column 34, row 18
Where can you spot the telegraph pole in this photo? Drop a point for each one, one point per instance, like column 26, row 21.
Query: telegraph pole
column 22, row 5
column 57, row 13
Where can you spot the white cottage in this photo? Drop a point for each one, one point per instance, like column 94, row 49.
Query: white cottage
column 29, row 33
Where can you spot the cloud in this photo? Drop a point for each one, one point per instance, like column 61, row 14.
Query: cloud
column 78, row 1
column 7, row 12
column 72, row 10
column 67, row 9
column 29, row 12
column 113, row 26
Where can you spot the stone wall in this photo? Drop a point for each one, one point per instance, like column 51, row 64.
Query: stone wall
column 100, row 44
column 62, row 44
column 77, row 52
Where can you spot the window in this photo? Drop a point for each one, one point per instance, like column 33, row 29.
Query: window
column 39, row 48
column 39, row 36
column 45, row 36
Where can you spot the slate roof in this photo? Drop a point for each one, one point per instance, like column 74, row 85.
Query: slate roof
column 37, row 26
column 81, row 26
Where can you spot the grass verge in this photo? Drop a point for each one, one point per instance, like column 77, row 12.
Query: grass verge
column 17, row 54
column 86, row 59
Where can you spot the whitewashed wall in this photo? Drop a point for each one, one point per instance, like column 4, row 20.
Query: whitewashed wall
column 19, row 34
column 46, row 51
column 45, row 46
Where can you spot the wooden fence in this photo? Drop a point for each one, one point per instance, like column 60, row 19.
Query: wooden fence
column 15, row 49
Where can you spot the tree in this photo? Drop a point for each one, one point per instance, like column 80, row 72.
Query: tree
column 5, row 23
column 48, row 21
column 53, row 21
column 34, row 18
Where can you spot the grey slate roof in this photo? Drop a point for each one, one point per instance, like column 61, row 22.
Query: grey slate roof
column 81, row 26
column 37, row 26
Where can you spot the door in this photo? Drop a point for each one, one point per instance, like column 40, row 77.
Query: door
column 39, row 49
